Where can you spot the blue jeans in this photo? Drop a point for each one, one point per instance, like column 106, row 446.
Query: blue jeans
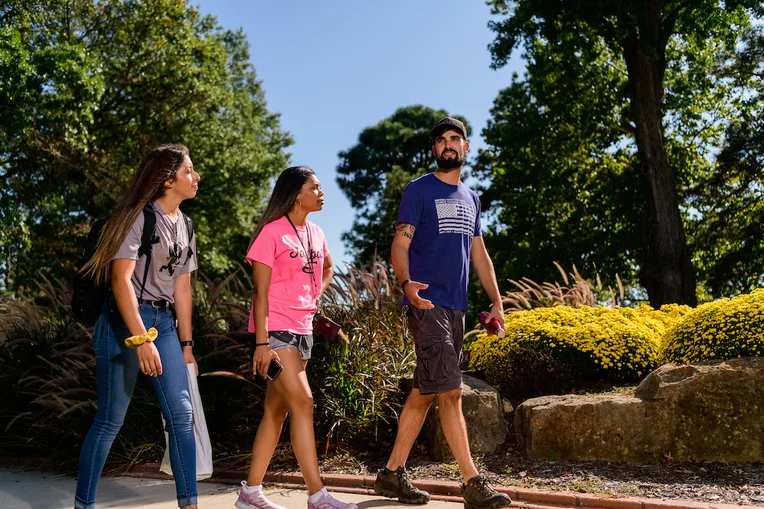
column 117, row 370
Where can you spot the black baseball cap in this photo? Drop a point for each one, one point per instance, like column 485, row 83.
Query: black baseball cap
column 448, row 123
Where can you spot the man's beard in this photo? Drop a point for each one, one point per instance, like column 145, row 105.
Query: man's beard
column 451, row 163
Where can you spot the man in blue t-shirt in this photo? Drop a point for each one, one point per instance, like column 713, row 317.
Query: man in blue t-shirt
column 437, row 234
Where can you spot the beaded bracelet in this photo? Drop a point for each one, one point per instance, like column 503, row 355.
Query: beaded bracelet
column 136, row 341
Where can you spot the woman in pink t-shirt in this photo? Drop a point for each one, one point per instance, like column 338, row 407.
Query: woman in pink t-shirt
column 291, row 267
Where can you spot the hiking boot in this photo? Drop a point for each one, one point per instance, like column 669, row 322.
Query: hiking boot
column 256, row 500
column 478, row 495
column 329, row 502
column 397, row 485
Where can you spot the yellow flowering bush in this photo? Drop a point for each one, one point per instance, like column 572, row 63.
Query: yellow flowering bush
column 723, row 329
column 597, row 342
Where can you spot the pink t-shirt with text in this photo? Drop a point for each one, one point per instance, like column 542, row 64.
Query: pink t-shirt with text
column 292, row 296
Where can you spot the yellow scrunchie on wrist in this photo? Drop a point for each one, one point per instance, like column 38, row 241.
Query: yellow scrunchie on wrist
column 136, row 341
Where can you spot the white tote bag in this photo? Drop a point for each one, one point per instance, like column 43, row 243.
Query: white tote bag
column 203, row 446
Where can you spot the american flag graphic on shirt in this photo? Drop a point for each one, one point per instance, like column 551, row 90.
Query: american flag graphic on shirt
column 455, row 216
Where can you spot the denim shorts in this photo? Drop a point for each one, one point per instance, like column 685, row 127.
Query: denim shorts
column 438, row 337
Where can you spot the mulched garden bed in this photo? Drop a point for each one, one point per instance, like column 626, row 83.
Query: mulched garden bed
column 703, row 482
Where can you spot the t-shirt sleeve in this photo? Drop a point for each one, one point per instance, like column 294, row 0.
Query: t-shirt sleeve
column 263, row 250
column 132, row 242
column 478, row 229
column 410, row 210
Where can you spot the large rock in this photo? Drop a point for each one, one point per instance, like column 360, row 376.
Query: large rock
column 703, row 412
column 484, row 414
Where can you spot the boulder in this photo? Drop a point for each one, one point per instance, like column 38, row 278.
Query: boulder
column 483, row 413
column 709, row 411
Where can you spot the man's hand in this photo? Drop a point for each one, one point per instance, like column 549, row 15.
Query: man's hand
column 412, row 292
column 497, row 311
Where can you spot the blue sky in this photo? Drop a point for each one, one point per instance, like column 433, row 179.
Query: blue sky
column 333, row 68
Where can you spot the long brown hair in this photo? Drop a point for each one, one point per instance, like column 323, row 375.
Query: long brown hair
column 288, row 186
column 160, row 165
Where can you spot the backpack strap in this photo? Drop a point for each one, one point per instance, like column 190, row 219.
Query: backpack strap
column 190, row 231
column 148, row 239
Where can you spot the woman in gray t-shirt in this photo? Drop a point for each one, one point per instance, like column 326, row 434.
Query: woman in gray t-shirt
column 136, row 330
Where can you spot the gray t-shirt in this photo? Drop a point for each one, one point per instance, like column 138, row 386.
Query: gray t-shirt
column 169, row 257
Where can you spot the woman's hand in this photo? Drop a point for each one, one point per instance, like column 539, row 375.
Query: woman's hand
column 148, row 357
column 188, row 358
column 262, row 359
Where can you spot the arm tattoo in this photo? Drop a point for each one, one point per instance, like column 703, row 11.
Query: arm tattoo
column 406, row 230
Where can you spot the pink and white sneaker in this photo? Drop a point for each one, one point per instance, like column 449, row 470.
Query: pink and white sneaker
column 256, row 500
column 329, row 502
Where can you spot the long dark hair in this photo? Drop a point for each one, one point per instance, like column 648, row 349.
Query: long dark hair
column 160, row 165
column 288, row 186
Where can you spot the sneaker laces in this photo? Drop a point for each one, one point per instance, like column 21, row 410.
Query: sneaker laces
column 481, row 485
column 405, row 481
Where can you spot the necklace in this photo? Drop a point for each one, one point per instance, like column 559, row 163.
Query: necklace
column 309, row 262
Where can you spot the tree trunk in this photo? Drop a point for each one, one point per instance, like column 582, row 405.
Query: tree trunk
column 667, row 271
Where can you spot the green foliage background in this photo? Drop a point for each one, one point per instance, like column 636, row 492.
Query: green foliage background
column 88, row 88
column 561, row 179
column 562, row 167
column 374, row 172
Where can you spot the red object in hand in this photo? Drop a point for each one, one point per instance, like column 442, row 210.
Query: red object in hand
column 492, row 326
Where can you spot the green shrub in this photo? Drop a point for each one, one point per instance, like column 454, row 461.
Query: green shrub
column 723, row 329
column 618, row 344
column 524, row 372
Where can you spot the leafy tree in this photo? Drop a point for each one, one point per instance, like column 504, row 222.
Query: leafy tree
column 374, row 172
column 654, row 46
column 555, row 158
column 88, row 88
column 727, row 237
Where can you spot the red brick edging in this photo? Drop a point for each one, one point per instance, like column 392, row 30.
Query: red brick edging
column 451, row 491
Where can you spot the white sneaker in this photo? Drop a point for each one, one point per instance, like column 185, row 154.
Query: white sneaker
column 256, row 500
column 329, row 502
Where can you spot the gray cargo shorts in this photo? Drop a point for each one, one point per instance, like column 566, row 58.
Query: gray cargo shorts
column 438, row 336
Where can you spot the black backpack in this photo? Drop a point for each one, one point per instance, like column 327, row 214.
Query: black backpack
column 87, row 296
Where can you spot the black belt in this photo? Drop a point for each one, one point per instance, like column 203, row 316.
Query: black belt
column 157, row 304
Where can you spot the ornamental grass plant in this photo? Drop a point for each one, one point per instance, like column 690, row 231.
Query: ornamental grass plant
column 48, row 377
column 718, row 330
column 574, row 291
column 48, row 384
column 48, row 380
column 356, row 378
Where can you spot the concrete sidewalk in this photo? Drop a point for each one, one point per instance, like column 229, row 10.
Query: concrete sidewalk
column 35, row 490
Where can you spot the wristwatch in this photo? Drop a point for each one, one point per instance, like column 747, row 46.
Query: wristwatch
column 404, row 283
column 187, row 343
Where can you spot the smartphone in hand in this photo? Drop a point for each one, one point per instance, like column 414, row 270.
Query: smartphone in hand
column 274, row 370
